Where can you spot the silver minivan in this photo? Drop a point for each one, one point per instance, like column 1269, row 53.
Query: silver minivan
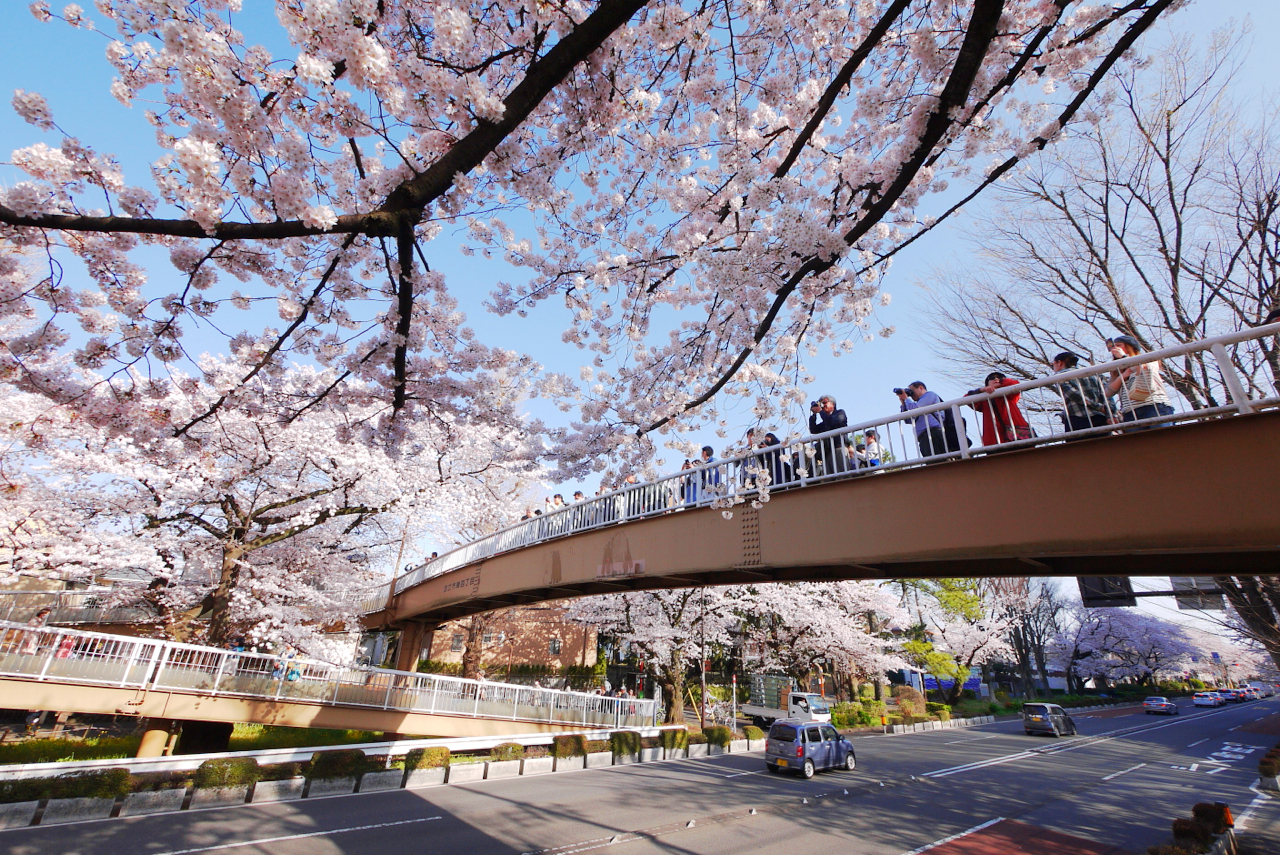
column 807, row 747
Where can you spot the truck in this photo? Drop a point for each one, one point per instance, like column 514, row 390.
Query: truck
column 775, row 696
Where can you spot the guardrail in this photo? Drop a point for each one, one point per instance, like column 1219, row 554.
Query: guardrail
column 817, row 459
column 92, row 658
column 70, row 607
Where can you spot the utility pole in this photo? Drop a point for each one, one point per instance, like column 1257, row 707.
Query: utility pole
column 702, row 663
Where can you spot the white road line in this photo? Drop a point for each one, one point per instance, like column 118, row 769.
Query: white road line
column 1243, row 818
column 1194, row 744
column 1195, row 766
column 740, row 774
column 1123, row 771
column 261, row 840
column 946, row 840
column 980, row 764
column 975, row 739
column 1216, row 771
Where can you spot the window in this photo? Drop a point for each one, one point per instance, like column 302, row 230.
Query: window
column 494, row 638
column 455, row 644
column 554, row 647
column 829, row 733
column 812, row 735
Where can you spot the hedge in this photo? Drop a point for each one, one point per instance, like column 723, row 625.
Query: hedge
column 149, row 782
column 227, row 772
column 719, row 735
column 753, row 733
column 675, row 739
column 506, row 751
column 597, row 746
column 104, row 784
column 569, row 745
column 697, row 739
column 625, row 742
column 344, row 763
column 426, row 758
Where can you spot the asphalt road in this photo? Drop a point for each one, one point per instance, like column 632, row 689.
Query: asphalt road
column 1118, row 784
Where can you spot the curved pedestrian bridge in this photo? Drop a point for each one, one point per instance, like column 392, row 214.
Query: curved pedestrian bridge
column 67, row 670
column 1194, row 495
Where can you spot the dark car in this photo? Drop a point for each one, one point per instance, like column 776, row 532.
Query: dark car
column 1159, row 705
column 1047, row 718
column 806, row 747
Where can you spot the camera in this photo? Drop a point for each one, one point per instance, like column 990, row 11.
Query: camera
column 900, row 391
column 813, row 404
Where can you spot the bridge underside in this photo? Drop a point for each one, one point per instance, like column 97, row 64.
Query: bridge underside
column 1196, row 500
column 168, row 704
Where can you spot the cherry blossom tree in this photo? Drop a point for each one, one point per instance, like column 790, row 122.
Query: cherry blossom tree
column 838, row 627
column 669, row 630
column 710, row 190
column 1119, row 644
column 270, row 517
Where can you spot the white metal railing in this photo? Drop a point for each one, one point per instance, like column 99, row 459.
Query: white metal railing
column 60, row 655
column 803, row 461
column 88, row 606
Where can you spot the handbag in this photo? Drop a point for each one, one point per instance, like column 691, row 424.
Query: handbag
column 1024, row 431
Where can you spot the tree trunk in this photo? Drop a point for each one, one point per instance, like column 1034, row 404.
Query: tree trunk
column 1257, row 600
column 472, row 653
column 221, row 629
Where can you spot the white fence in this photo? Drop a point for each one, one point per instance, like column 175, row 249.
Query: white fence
column 92, row 658
column 70, row 607
column 906, row 441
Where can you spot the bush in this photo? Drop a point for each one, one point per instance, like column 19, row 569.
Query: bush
column 845, row 714
column 426, row 758
column 228, row 772
column 506, row 751
column 260, row 737
column 675, row 739
column 753, row 733
column 343, row 763
column 150, row 782
column 867, row 691
column 104, row 784
column 869, row 715
column 1268, row 768
column 597, row 746
column 1192, row 830
column 944, row 715
column 280, row 771
column 65, row 750
column 533, row 752
column 651, row 742
column 910, row 701
column 697, row 739
column 432, row 666
column 22, row 790
column 626, row 742
column 1212, row 815
column 719, row 735
column 569, row 745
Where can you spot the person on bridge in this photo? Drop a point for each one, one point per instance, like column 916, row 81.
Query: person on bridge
column 1002, row 418
column 779, row 470
column 874, row 451
column 929, row 433
column 831, row 451
column 710, row 476
column 31, row 640
column 1084, row 401
column 1139, row 388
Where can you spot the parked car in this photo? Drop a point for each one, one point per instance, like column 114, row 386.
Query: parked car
column 1207, row 699
column 1047, row 718
column 806, row 747
column 1163, row 706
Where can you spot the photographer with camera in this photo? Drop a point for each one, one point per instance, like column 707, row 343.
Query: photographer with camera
column 930, row 433
column 831, row 452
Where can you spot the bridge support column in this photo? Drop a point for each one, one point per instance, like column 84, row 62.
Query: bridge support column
column 415, row 636
column 158, row 738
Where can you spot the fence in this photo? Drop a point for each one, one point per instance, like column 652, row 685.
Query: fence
column 70, row 607
column 70, row 656
column 1054, row 408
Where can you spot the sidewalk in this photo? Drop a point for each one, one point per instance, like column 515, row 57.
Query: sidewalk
column 1258, row 826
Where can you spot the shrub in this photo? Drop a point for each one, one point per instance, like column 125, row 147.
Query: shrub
column 719, row 735
column 227, row 772
column 506, row 751
column 675, row 739
column 569, row 745
column 343, row 763
column 280, row 771
column 697, row 739
column 150, row 782
column 533, row 752
column 104, row 784
column 845, row 714
column 1192, row 830
column 64, row 750
column 944, row 715
column 867, row 691
column 23, row 790
column 597, row 746
column 1002, row 698
column 1268, row 768
column 624, row 742
column 426, row 758
column 651, row 742
column 910, row 701
column 1213, row 815
column 753, row 733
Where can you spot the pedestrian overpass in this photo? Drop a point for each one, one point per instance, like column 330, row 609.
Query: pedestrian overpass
column 163, row 681
column 1195, row 497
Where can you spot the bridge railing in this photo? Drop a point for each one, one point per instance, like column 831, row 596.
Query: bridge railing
column 803, row 461
column 90, row 606
column 91, row 658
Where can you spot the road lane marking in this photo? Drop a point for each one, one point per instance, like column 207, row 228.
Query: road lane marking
column 1194, row 744
column 975, row 739
column 1195, row 766
column 980, row 764
column 1261, row 797
column 1219, row 769
column 1123, row 771
column 947, row 840
column 740, row 774
column 259, row 841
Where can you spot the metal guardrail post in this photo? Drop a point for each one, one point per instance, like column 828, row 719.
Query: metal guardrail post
column 217, row 672
column 962, row 436
column 1231, row 379
column 48, row 657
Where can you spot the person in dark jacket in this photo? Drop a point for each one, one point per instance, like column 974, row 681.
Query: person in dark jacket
column 831, row 452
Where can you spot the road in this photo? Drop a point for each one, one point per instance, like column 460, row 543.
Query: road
column 1114, row 789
